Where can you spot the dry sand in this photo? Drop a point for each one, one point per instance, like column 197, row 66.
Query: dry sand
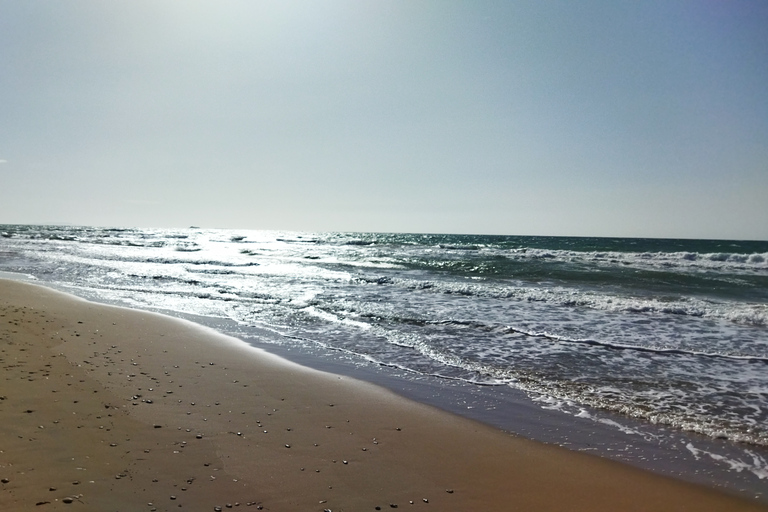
column 105, row 408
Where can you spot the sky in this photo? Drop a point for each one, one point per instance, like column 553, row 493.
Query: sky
column 590, row 118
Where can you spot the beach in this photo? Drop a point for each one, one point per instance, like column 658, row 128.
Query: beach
column 110, row 408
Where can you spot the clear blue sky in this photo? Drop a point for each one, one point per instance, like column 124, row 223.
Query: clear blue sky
column 608, row 118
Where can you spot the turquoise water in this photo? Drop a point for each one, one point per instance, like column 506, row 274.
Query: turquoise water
column 674, row 332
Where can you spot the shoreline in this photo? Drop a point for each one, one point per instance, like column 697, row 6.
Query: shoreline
column 152, row 409
column 687, row 456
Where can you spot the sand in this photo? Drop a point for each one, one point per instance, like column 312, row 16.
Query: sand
column 106, row 408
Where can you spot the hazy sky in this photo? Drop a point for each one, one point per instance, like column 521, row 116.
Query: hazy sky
column 636, row 118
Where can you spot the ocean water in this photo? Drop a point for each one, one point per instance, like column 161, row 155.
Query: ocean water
column 671, row 332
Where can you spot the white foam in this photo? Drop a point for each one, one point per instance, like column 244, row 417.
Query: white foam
column 733, row 262
column 736, row 312
column 758, row 466
column 572, row 409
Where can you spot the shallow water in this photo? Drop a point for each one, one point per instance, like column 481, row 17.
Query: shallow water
column 668, row 332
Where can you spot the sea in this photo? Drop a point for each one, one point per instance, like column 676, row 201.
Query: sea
column 658, row 340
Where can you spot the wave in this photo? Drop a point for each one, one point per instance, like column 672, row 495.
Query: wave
column 213, row 271
column 298, row 240
column 638, row 348
column 631, row 403
column 721, row 261
column 214, row 263
column 501, row 330
column 219, row 294
column 92, row 259
column 460, row 247
column 753, row 314
column 193, row 247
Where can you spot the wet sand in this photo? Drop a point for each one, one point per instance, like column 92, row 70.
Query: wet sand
column 105, row 408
